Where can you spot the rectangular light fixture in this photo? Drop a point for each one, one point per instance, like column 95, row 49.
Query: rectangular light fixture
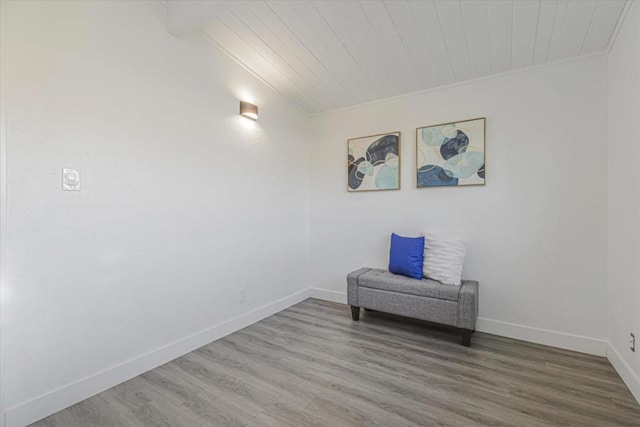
column 248, row 110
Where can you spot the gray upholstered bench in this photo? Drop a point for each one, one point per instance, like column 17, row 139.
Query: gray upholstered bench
column 380, row 290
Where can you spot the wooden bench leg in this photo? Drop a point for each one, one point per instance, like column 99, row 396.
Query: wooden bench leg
column 355, row 312
column 466, row 337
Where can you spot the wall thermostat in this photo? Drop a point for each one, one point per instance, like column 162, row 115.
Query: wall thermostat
column 70, row 180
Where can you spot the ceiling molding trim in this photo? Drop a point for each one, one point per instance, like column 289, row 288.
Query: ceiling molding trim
column 616, row 29
column 466, row 82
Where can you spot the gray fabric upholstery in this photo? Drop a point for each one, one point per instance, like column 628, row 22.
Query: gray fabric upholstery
column 382, row 279
column 431, row 309
column 468, row 305
column 352, row 285
column 421, row 299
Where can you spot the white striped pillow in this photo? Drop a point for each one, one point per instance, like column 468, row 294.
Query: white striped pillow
column 443, row 257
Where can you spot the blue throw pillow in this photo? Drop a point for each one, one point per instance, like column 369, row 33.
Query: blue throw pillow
column 406, row 256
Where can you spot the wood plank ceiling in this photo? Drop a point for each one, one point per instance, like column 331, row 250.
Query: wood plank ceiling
column 325, row 55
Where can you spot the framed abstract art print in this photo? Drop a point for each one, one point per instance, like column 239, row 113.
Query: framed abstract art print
column 373, row 162
column 451, row 154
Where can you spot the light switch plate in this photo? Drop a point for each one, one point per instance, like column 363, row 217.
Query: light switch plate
column 70, row 180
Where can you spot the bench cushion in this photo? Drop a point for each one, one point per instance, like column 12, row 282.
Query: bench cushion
column 384, row 280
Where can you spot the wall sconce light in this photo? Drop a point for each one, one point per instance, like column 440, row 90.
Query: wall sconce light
column 248, row 110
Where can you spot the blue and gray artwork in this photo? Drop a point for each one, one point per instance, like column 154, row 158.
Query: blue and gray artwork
column 451, row 154
column 374, row 162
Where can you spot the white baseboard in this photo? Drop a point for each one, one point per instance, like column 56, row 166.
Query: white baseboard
column 327, row 295
column 55, row 400
column 582, row 344
column 505, row 329
column 627, row 374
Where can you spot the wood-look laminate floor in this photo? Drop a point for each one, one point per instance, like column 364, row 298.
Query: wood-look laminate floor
column 311, row 365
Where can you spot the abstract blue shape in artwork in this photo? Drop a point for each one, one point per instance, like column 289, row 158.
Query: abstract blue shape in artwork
column 386, row 178
column 432, row 136
column 454, row 146
column 354, row 179
column 365, row 168
column 481, row 171
column 378, row 150
column 465, row 164
column 435, row 176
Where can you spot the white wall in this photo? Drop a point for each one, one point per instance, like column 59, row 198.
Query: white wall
column 182, row 203
column 623, row 232
column 536, row 230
